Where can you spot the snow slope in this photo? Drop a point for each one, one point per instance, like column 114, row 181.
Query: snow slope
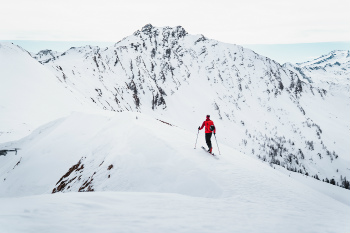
column 138, row 158
column 30, row 95
column 331, row 73
column 259, row 107
column 152, row 181
column 159, row 212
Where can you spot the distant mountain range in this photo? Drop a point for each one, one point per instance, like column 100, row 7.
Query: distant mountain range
column 331, row 68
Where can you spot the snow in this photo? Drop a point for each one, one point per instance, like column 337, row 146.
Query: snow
column 327, row 71
column 30, row 95
column 330, row 72
column 105, row 138
column 158, row 212
column 160, row 185
column 340, row 56
column 133, row 167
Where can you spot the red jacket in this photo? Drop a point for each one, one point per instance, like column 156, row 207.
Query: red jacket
column 207, row 123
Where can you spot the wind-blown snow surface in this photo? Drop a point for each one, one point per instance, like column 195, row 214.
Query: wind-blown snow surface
column 153, row 181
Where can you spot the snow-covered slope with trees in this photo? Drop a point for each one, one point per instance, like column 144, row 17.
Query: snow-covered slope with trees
column 259, row 107
column 331, row 73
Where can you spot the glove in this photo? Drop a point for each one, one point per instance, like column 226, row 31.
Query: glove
column 199, row 127
column 214, row 133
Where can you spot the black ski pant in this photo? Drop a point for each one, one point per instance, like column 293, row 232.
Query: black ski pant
column 207, row 139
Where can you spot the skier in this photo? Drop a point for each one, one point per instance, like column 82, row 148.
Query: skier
column 209, row 128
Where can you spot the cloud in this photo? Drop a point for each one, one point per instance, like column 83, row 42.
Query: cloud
column 240, row 22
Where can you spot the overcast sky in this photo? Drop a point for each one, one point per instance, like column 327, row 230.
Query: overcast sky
column 236, row 22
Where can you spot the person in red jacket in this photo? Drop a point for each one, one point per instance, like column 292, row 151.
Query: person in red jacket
column 209, row 129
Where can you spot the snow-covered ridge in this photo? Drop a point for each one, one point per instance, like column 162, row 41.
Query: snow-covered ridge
column 336, row 57
column 331, row 71
column 157, row 85
column 157, row 70
column 171, row 75
column 111, row 152
column 7, row 48
column 143, row 170
column 129, row 152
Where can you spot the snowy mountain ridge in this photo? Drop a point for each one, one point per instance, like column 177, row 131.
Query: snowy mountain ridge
column 142, row 170
column 157, row 70
column 335, row 57
column 115, row 129
column 327, row 71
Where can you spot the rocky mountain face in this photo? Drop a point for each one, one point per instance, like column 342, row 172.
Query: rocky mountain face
column 145, row 69
column 259, row 107
column 45, row 55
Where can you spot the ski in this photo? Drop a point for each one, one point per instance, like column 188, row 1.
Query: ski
column 214, row 156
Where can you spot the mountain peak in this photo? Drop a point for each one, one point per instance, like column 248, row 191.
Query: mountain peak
column 46, row 52
column 45, row 55
column 181, row 31
column 147, row 28
column 177, row 31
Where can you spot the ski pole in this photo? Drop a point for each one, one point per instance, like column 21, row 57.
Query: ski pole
column 217, row 144
column 196, row 140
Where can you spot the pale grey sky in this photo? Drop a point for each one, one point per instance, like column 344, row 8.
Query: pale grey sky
column 236, row 22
